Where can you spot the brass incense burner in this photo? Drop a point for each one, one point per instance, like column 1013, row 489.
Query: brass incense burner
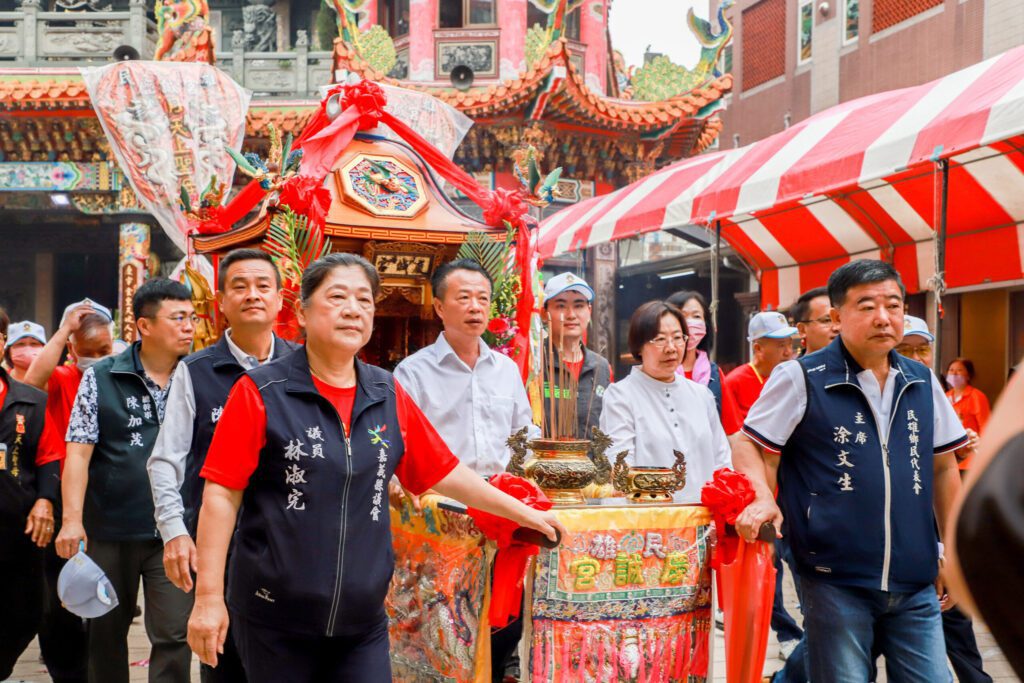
column 562, row 468
column 649, row 484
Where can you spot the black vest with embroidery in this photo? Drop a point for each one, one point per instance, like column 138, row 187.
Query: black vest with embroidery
column 21, row 425
column 213, row 372
column 312, row 551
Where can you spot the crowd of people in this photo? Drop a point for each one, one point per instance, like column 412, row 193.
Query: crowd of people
column 246, row 486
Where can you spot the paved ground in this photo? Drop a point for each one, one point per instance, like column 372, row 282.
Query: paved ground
column 30, row 669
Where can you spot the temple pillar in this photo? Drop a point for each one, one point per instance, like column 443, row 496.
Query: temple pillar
column 603, row 268
column 132, row 252
column 512, row 42
column 422, row 21
column 593, row 34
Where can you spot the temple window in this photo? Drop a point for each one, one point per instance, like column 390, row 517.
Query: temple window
column 805, row 31
column 462, row 13
column 572, row 23
column 851, row 21
column 394, row 16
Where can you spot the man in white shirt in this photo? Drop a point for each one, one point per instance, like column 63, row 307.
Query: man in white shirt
column 249, row 296
column 473, row 396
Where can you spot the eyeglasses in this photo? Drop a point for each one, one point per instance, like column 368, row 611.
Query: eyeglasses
column 180, row 319
column 923, row 351
column 662, row 342
column 823, row 320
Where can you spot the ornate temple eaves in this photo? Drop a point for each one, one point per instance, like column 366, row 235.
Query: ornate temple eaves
column 554, row 90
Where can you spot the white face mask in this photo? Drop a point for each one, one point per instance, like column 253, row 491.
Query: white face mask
column 86, row 363
column 956, row 381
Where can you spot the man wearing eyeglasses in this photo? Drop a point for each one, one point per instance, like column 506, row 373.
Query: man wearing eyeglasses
column 813, row 320
column 107, row 503
column 771, row 342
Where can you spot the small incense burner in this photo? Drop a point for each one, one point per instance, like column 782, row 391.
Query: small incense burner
column 649, row 484
column 562, row 468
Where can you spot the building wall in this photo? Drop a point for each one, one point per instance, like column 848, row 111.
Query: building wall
column 947, row 35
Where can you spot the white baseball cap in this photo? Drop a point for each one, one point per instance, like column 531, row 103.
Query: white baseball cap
column 915, row 325
column 567, row 282
column 769, row 325
column 84, row 588
column 26, row 329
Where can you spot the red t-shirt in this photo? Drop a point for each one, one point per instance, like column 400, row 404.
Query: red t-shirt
column 574, row 366
column 51, row 445
column 62, row 389
column 731, row 421
column 242, row 432
column 745, row 386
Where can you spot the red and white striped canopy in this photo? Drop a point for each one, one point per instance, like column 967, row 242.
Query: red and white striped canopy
column 854, row 181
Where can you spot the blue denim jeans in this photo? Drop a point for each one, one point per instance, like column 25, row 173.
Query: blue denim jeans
column 841, row 623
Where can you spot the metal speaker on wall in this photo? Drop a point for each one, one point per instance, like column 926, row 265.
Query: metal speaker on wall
column 462, row 77
column 125, row 53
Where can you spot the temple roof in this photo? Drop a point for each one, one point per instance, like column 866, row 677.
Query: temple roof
column 552, row 89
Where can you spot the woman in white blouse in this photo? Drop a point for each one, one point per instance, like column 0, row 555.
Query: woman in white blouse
column 654, row 411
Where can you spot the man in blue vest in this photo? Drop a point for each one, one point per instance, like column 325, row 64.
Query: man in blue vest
column 862, row 443
column 249, row 297
column 106, row 497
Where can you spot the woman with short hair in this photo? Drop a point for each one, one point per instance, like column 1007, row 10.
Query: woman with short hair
column 305, row 447
column 655, row 411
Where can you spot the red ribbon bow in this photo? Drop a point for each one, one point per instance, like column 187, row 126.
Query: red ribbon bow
column 726, row 496
column 307, row 196
column 510, row 562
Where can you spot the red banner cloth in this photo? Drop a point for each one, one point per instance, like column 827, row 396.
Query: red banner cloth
column 510, row 562
column 746, row 578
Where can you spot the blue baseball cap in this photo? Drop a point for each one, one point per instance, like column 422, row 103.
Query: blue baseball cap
column 84, row 588
column 25, row 329
column 96, row 307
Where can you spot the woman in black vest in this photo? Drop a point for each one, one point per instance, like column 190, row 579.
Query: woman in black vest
column 29, row 484
column 305, row 447
column 697, row 364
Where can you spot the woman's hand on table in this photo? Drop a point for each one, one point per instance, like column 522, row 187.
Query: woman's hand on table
column 545, row 522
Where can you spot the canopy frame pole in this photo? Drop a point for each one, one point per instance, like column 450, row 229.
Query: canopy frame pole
column 939, row 279
column 716, row 251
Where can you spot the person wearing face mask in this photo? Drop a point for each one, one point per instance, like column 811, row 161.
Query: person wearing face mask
column 970, row 403
column 697, row 365
column 85, row 333
column 25, row 341
column 655, row 411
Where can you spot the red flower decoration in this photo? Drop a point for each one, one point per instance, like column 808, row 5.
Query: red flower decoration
column 503, row 205
column 369, row 99
column 306, row 195
column 498, row 326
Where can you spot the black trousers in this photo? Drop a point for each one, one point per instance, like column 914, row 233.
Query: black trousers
column 167, row 609
column 962, row 647
column 275, row 656
column 21, row 594
column 62, row 636
column 229, row 667
column 504, row 642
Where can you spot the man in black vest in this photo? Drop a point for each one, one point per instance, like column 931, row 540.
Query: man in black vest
column 107, row 502
column 29, row 482
column 249, row 296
